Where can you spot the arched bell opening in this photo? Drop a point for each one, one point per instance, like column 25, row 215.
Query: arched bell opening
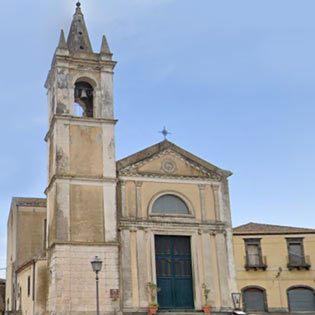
column 83, row 98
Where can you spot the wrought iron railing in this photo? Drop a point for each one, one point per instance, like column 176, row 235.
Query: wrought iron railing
column 298, row 262
column 255, row 264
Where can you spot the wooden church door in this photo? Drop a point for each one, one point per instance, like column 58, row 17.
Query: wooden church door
column 173, row 272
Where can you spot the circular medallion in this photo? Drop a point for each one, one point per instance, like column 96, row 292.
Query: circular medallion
column 169, row 166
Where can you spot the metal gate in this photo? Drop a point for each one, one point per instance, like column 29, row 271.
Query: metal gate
column 254, row 300
column 301, row 300
column 173, row 271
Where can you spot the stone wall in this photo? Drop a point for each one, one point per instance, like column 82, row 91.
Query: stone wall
column 72, row 281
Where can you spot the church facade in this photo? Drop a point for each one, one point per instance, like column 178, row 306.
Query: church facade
column 160, row 216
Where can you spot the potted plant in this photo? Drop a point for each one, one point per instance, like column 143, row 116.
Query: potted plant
column 206, row 307
column 153, row 290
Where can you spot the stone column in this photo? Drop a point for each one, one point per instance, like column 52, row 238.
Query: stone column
column 126, row 270
column 138, row 199
column 226, row 298
column 230, row 258
column 216, row 276
column 202, row 188
column 134, row 267
column 197, row 269
column 142, row 268
column 123, row 198
column 208, row 265
column 216, row 198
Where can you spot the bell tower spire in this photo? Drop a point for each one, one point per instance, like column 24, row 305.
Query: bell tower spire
column 78, row 39
column 81, row 189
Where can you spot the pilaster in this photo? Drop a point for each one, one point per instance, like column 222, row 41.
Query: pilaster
column 216, row 198
column 138, row 199
column 202, row 188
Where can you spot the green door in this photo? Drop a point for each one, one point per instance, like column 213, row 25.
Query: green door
column 173, row 271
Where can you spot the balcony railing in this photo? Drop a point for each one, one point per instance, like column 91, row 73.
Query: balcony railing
column 298, row 262
column 256, row 264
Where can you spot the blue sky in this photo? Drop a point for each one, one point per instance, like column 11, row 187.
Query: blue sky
column 234, row 81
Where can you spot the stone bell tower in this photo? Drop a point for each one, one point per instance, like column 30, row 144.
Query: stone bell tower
column 81, row 191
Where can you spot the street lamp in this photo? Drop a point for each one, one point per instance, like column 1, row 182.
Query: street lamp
column 97, row 267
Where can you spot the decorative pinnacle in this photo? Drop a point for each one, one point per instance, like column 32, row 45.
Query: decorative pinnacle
column 78, row 4
column 164, row 132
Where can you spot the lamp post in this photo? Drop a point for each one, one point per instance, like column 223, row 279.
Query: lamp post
column 97, row 267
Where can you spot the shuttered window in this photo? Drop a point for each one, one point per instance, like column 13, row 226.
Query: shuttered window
column 253, row 254
column 295, row 249
column 254, row 259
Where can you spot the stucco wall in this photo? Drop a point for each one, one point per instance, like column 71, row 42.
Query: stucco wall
column 205, row 224
column 26, row 230
column 87, row 213
column 277, row 278
column 25, row 302
column 31, row 229
column 85, row 140
column 139, row 203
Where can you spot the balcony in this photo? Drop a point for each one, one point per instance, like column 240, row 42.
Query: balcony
column 260, row 263
column 298, row 262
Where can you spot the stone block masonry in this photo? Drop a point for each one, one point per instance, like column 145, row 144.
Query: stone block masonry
column 72, row 280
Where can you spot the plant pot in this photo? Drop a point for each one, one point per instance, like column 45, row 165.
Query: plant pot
column 153, row 309
column 206, row 309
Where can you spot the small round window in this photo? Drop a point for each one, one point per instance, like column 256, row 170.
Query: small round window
column 169, row 204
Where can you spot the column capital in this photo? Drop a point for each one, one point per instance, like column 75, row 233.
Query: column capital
column 139, row 184
column 215, row 187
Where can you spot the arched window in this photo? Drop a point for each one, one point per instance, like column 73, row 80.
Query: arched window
column 301, row 299
column 254, row 299
column 83, row 98
column 170, row 204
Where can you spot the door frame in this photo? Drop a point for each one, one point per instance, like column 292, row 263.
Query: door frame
column 193, row 257
column 263, row 290
column 298, row 287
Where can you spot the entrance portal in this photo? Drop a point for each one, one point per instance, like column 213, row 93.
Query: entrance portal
column 173, row 272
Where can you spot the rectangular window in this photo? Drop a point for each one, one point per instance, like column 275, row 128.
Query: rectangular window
column 296, row 257
column 254, row 259
column 28, row 286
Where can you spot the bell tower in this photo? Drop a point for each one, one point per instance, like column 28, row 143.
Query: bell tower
column 81, row 190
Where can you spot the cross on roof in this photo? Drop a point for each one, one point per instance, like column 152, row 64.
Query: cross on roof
column 164, row 132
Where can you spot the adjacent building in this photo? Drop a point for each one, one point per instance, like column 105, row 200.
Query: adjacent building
column 26, row 256
column 2, row 296
column 161, row 215
column 275, row 267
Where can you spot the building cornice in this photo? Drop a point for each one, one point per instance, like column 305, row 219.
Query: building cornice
column 80, row 180
column 74, row 120
column 55, row 243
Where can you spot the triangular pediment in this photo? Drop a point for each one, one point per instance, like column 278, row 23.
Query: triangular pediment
column 165, row 159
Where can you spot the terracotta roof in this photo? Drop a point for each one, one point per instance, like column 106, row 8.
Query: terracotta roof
column 259, row 228
column 29, row 202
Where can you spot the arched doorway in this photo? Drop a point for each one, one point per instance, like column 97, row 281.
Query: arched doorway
column 254, row 299
column 301, row 299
